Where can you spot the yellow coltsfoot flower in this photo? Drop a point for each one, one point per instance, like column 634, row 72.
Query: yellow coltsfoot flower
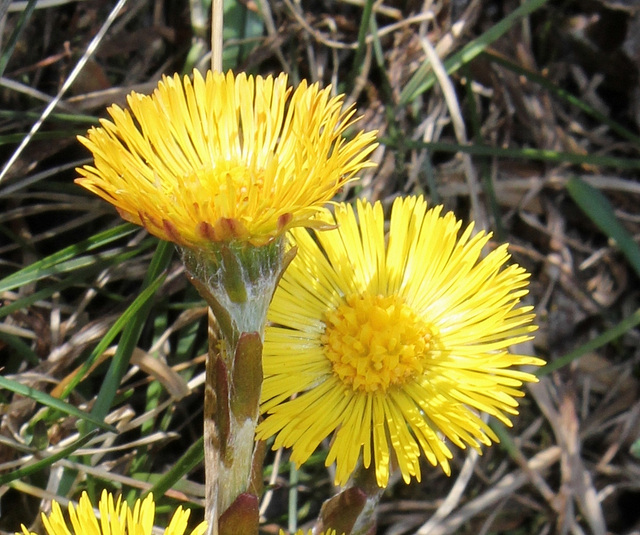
column 224, row 158
column 392, row 345
column 116, row 518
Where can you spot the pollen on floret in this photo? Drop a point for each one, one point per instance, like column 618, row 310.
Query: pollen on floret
column 376, row 342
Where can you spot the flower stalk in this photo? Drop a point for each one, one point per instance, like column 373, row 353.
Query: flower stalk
column 237, row 281
column 353, row 510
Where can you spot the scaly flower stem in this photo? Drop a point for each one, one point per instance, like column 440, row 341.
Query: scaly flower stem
column 353, row 511
column 237, row 280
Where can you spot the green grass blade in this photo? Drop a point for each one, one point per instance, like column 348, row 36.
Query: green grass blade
column 21, row 24
column 365, row 24
column 33, row 272
column 128, row 317
column 21, row 352
column 75, row 264
column 243, row 31
column 545, row 155
column 484, row 169
column 609, row 335
column 191, row 458
column 132, row 330
column 564, row 95
column 81, row 269
column 294, row 477
column 130, row 336
column 64, row 117
column 46, row 462
column 14, row 139
column 423, row 78
column 596, row 206
column 54, row 403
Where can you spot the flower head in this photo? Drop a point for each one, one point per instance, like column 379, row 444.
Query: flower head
column 115, row 518
column 224, row 158
column 392, row 345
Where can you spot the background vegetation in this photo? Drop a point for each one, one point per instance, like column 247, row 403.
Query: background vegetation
column 520, row 115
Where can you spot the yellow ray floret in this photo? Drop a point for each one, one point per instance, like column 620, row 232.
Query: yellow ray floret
column 392, row 344
column 224, row 158
column 115, row 518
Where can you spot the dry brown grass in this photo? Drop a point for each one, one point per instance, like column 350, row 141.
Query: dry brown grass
column 567, row 465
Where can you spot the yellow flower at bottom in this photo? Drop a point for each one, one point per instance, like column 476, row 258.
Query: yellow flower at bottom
column 224, row 158
column 392, row 345
column 115, row 518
